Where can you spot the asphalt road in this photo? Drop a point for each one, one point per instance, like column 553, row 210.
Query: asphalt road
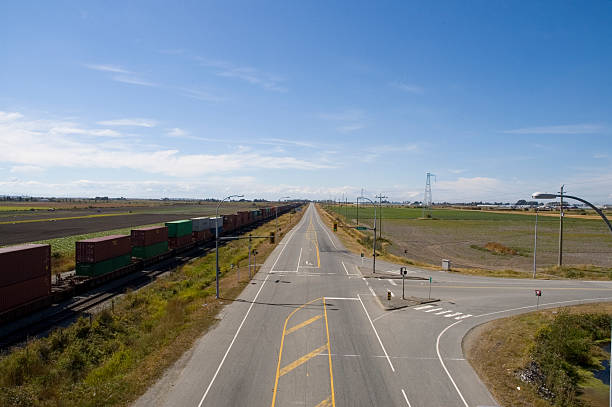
column 309, row 331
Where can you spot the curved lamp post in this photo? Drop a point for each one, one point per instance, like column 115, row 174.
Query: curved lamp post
column 217, row 239
column 542, row 195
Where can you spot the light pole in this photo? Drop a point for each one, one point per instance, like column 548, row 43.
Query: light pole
column 374, row 249
column 217, row 239
column 561, row 228
column 276, row 207
column 380, row 197
column 542, row 195
column 535, row 243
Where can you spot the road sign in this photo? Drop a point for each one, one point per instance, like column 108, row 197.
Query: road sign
column 538, row 292
column 361, row 228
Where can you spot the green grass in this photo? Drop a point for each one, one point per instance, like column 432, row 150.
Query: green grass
column 22, row 208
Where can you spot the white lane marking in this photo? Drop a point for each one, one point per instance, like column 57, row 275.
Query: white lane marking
column 372, row 291
column 232, row 342
column 342, row 298
column 435, row 309
column 464, row 316
column 282, row 271
column 376, row 332
column 391, row 282
column 286, row 244
column 454, row 314
column 345, row 270
column 444, row 366
column 543, row 305
column 325, row 229
column 406, row 398
column 443, row 312
column 424, row 307
column 299, row 259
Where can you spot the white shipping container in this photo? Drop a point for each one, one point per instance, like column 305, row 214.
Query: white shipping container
column 200, row 224
column 218, row 221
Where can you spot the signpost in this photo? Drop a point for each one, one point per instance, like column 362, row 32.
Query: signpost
column 538, row 294
column 403, row 271
column 429, row 296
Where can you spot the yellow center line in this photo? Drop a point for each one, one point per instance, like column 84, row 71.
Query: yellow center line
column 302, row 360
column 303, row 324
column 324, row 403
column 280, row 352
column 331, row 373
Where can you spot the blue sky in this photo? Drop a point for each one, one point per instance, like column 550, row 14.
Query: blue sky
column 308, row 99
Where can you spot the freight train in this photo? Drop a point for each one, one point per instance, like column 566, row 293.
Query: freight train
column 25, row 270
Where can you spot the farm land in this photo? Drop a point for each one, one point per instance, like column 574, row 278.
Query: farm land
column 476, row 239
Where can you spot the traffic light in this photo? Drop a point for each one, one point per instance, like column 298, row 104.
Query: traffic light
column 335, row 226
column 272, row 237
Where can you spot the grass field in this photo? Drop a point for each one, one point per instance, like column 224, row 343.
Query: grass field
column 513, row 341
column 466, row 238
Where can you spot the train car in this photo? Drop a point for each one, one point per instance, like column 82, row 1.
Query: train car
column 102, row 255
column 149, row 242
column 180, row 233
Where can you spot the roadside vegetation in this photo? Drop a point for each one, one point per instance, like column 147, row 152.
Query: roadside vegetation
column 485, row 242
column 544, row 358
column 114, row 356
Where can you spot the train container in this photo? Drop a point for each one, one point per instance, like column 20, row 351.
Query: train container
column 104, row 266
column 24, row 262
column 229, row 222
column 202, row 235
column 22, row 292
column 146, row 252
column 102, row 248
column 218, row 222
column 179, row 241
column 244, row 217
column 179, row 228
column 149, row 236
column 200, row 224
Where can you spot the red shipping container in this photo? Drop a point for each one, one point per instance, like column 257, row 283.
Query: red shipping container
column 149, row 236
column 176, row 242
column 24, row 262
column 102, row 248
column 19, row 293
column 199, row 236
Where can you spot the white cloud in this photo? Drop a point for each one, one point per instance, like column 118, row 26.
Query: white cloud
column 349, row 128
column 135, row 122
column 406, row 87
column 176, row 132
column 351, row 119
column 50, row 144
column 245, row 73
column 9, row 116
column 563, row 129
column 600, row 155
column 133, row 80
column 26, row 169
column 107, row 68
column 201, row 95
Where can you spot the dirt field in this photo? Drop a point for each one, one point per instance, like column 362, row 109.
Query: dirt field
column 40, row 225
column 461, row 236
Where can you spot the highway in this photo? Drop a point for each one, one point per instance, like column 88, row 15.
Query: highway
column 308, row 331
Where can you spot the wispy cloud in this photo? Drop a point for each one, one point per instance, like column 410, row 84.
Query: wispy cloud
column 287, row 142
column 561, row 129
column 134, row 122
column 248, row 74
column 201, row 95
column 9, row 116
column 176, row 132
column 406, row 87
column 26, row 169
column 351, row 119
column 122, row 75
column 600, row 155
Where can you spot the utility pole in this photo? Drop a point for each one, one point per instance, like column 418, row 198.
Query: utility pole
column 427, row 201
column 561, row 228
column 380, row 197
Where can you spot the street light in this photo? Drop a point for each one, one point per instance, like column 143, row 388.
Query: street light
column 276, row 207
column 217, row 239
column 374, row 249
column 543, row 195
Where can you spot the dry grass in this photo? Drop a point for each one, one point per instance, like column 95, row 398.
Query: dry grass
column 498, row 349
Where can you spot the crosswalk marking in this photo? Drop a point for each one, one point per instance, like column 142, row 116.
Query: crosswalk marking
column 435, row 309
column 391, row 281
column 464, row 316
column 452, row 315
column 423, row 307
column 443, row 312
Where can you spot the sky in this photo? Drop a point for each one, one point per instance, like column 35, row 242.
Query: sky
column 310, row 99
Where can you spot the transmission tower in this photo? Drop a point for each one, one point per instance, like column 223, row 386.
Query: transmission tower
column 428, row 199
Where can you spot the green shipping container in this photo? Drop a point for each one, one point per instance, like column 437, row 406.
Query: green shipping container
column 145, row 252
column 179, row 228
column 102, row 267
